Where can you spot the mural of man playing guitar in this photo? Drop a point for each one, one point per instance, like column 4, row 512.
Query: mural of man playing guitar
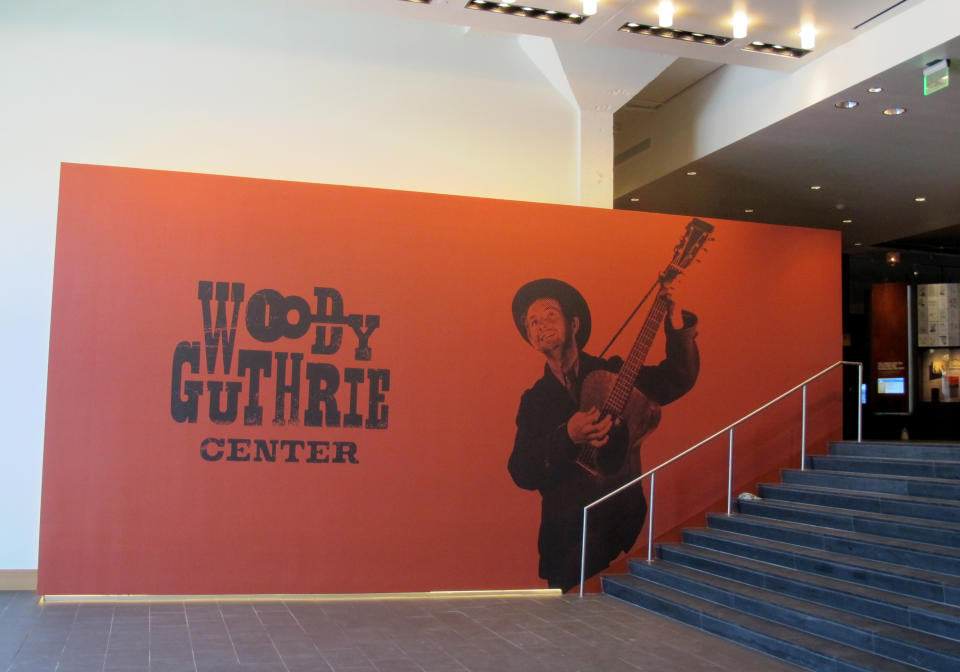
column 579, row 428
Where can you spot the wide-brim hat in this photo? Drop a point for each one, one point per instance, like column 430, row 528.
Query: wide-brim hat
column 572, row 302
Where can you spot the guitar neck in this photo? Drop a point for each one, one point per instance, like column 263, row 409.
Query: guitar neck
column 620, row 393
column 693, row 240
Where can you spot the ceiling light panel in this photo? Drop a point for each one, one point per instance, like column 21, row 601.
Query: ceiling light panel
column 740, row 25
column 527, row 11
column 776, row 49
column 808, row 36
column 674, row 34
column 665, row 14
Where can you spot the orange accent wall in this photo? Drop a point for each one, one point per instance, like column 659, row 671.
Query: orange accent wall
column 130, row 504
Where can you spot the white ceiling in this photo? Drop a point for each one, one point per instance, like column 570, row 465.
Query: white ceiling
column 870, row 166
column 771, row 21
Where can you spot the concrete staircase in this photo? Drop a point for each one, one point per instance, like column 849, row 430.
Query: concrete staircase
column 853, row 564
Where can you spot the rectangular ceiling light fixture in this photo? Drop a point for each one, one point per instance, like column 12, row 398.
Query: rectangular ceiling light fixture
column 674, row 34
column 517, row 9
column 420, row 2
column 776, row 50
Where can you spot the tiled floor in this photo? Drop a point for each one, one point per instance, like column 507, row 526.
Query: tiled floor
column 399, row 635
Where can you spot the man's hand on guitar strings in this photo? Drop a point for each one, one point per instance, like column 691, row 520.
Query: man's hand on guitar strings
column 589, row 427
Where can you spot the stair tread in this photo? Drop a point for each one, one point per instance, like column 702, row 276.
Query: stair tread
column 896, row 443
column 845, row 534
column 893, row 460
column 831, row 556
column 926, row 450
column 839, row 585
column 857, row 513
column 879, row 628
column 896, row 458
column 864, row 493
column 863, row 475
column 790, row 636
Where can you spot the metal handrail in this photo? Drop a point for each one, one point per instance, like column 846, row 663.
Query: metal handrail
column 729, row 428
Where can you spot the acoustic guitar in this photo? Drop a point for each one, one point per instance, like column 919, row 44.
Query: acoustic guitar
column 634, row 415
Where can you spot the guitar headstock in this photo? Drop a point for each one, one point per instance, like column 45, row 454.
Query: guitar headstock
column 697, row 234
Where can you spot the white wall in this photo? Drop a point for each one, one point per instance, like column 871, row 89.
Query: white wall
column 261, row 88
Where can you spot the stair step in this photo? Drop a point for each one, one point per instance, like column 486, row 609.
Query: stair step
column 942, row 488
column 862, row 632
column 900, row 505
column 887, row 465
column 788, row 644
column 929, row 450
column 925, row 584
column 924, row 615
column 900, row 527
column 874, row 547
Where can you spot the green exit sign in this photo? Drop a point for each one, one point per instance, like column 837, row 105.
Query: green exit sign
column 936, row 76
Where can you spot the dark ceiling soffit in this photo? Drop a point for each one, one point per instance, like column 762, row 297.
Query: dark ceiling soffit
column 945, row 240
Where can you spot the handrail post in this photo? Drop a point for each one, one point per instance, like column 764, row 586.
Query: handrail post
column 859, row 402
column 653, row 479
column 583, row 550
column 803, row 432
column 730, row 475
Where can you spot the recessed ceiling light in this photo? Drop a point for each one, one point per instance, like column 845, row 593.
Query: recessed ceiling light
column 894, row 111
column 846, row 104
column 858, row 244
column 748, row 210
column 525, row 11
column 816, row 187
column 674, row 34
column 875, row 89
column 920, row 199
column 847, row 221
column 634, row 199
column 776, row 49
column 691, row 173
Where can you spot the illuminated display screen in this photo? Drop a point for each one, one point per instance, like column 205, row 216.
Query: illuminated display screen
column 890, row 385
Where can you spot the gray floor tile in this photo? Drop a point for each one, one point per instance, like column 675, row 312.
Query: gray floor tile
column 556, row 634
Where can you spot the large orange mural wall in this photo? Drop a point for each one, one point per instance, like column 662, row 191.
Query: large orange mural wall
column 271, row 387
